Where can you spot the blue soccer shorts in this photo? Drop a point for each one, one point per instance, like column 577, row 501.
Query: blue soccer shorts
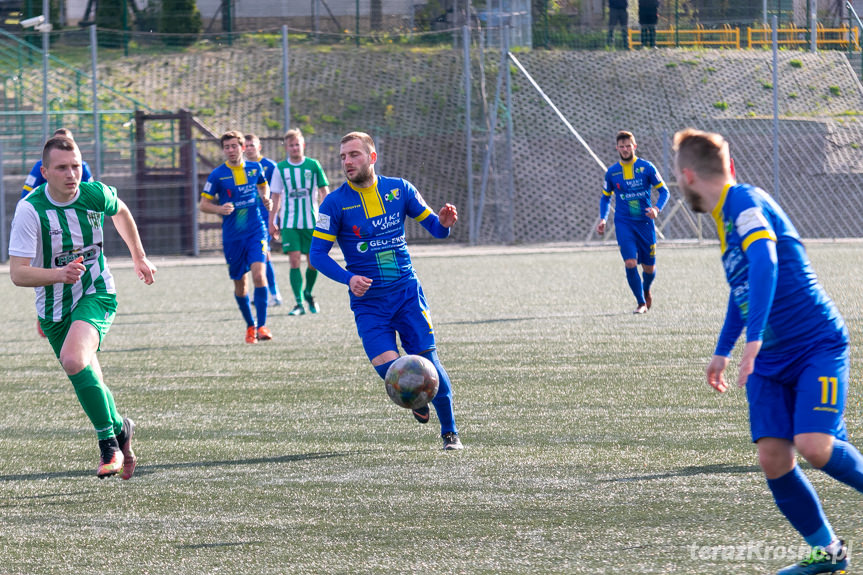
column 241, row 254
column 807, row 395
column 403, row 311
column 637, row 241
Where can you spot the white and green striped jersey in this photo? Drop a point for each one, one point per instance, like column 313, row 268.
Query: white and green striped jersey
column 298, row 184
column 52, row 235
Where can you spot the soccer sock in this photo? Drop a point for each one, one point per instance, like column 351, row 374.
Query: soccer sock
column 297, row 284
column 311, row 278
column 382, row 369
column 798, row 501
column 845, row 464
column 271, row 278
column 261, row 305
column 97, row 402
column 648, row 280
column 245, row 309
column 443, row 400
column 635, row 284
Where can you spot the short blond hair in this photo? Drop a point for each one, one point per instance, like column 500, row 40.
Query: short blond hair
column 705, row 153
column 367, row 140
column 294, row 133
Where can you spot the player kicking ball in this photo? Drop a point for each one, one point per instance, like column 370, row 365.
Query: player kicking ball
column 795, row 363
column 367, row 216
column 56, row 247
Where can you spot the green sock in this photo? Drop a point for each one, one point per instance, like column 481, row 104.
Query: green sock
column 97, row 401
column 297, row 284
column 311, row 278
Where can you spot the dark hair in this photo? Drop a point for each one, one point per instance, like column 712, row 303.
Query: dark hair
column 230, row 135
column 624, row 135
column 57, row 143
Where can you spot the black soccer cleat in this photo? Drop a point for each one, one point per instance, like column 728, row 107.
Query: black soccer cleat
column 111, row 458
column 421, row 414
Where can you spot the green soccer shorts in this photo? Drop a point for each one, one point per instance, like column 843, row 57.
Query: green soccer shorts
column 294, row 240
column 96, row 309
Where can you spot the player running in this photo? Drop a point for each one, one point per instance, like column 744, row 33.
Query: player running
column 298, row 187
column 633, row 180
column 795, row 364
column 56, row 247
column 367, row 216
column 232, row 191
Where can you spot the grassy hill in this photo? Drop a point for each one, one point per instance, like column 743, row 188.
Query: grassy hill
column 412, row 101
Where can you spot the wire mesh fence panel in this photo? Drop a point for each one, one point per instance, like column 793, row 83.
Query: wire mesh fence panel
column 526, row 178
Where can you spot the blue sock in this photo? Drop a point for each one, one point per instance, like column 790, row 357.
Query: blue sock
column 443, row 400
column 261, row 305
column 271, row 278
column 846, row 464
column 635, row 284
column 245, row 309
column 798, row 501
column 382, row 368
column 648, row 280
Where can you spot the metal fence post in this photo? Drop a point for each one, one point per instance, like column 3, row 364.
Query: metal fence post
column 286, row 77
column 468, row 133
column 196, row 247
column 97, row 136
column 776, row 107
column 4, row 248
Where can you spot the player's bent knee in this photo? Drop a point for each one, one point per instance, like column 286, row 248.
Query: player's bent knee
column 775, row 456
column 816, row 448
column 630, row 263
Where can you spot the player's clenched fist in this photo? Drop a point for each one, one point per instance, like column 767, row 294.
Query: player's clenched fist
column 71, row 272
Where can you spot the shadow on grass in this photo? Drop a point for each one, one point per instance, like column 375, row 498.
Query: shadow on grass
column 149, row 469
column 718, row 468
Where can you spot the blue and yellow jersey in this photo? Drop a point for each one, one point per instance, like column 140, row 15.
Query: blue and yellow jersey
column 35, row 179
column 774, row 290
column 269, row 168
column 239, row 185
column 369, row 224
column 632, row 183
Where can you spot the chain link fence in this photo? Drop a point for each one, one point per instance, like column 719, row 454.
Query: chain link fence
column 454, row 116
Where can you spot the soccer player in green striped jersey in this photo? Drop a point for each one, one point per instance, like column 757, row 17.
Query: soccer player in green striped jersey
column 56, row 247
column 299, row 186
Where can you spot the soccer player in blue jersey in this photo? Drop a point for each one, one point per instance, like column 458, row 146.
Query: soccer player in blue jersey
column 233, row 191
column 367, row 216
column 35, row 177
column 252, row 152
column 795, row 364
column 632, row 180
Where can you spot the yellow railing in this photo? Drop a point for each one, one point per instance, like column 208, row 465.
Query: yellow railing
column 728, row 37
column 791, row 35
column 699, row 37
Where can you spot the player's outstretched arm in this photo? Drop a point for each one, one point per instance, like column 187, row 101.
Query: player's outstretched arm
column 128, row 230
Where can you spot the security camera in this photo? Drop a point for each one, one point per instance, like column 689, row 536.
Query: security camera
column 33, row 22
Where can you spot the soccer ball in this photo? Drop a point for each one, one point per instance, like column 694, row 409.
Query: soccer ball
column 411, row 381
